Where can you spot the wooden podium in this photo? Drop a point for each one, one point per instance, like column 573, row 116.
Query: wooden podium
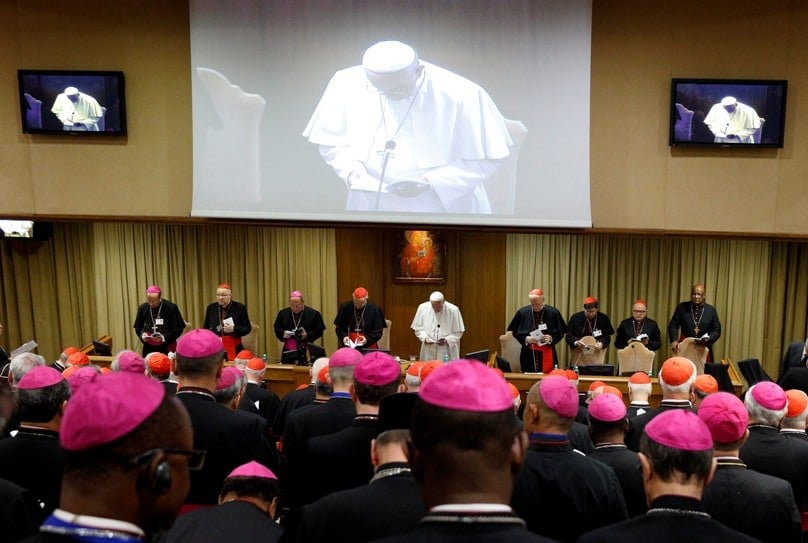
column 635, row 357
column 694, row 351
column 588, row 354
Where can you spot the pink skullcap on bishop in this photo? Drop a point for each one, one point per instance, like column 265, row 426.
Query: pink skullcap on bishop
column 466, row 385
column 199, row 343
column 725, row 415
column 296, row 294
column 81, row 377
column 639, row 378
column 132, row 362
column 536, row 292
column 154, row 289
column 769, row 395
column 558, row 394
column 680, row 429
column 109, row 409
column 360, row 292
column 797, row 402
column 343, row 357
column 253, row 469
column 607, row 408
column 676, row 371
column 40, row 377
column 377, row 369
column 227, row 378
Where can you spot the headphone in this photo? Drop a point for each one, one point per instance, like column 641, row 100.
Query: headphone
column 160, row 480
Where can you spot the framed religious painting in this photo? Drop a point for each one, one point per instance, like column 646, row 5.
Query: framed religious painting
column 420, row 257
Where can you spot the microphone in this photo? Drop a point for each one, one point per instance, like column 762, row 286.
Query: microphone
column 437, row 338
column 388, row 148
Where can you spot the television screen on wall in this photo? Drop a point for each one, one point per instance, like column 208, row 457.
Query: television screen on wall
column 72, row 102
column 728, row 112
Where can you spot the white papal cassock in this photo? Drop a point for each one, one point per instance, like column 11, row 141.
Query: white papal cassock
column 426, row 325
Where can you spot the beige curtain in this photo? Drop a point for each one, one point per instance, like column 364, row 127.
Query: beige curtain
column 90, row 278
column 755, row 285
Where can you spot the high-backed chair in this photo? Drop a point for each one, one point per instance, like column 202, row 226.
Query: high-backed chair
column 695, row 352
column 587, row 355
column 250, row 341
column 635, row 357
column 757, row 133
column 509, row 351
column 683, row 127
column 33, row 116
column 384, row 341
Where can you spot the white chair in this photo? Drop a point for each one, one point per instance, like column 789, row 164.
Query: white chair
column 384, row 341
column 635, row 357
column 510, row 350
column 501, row 187
column 250, row 341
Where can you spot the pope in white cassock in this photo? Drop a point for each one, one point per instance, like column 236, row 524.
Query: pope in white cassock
column 439, row 326
column 407, row 135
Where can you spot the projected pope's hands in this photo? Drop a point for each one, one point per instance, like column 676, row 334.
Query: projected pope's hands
column 409, row 189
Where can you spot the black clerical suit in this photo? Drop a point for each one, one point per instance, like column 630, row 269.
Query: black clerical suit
column 34, row 460
column 19, row 512
column 549, row 321
column 754, row 503
column 768, row 451
column 266, row 400
column 215, row 314
column 309, row 319
column 231, row 438
column 629, row 329
column 230, row 521
column 369, row 320
column 347, row 455
column 794, row 357
column 561, row 493
column 390, row 504
column 636, row 425
column 626, row 465
column 165, row 319
column 482, row 527
column 687, row 317
column 290, row 402
column 599, row 327
column 670, row 519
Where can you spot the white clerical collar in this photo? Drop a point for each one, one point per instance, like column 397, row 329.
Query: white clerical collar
column 99, row 522
column 471, row 508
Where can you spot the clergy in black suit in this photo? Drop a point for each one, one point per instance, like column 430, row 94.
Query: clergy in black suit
column 33, row 458
column 247, row 503
column 229, row 438
column 638, row 325
column 359, row 318
column 265, row 401
column 676, row 457
column 19, row 512
column 538, row 328
column 796, row 356
column 767, row 450
column 389, row 504
column 694, row 319
column 756, row 504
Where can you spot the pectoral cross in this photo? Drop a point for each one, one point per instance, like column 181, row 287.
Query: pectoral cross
column 696, row 329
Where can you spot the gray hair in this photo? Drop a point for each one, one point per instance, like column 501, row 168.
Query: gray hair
column 761, row 415
column 22, row 364
column 684, row 388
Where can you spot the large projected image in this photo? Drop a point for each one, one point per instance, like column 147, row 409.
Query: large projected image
column 409, row 112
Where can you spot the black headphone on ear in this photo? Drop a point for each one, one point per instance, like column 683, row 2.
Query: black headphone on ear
column 161, row 478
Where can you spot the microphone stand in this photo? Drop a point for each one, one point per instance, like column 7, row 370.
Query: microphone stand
column 388, row 148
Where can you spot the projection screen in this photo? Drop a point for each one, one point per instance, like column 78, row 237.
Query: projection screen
column 405, row 112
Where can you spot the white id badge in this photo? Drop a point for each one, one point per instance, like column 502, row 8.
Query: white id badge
column 158, row 322
column 542, row 327
column 597, row 333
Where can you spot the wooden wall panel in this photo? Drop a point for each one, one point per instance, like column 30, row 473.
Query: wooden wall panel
column 475, row 281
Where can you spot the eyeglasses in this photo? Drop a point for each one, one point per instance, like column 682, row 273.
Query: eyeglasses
column 196, row 457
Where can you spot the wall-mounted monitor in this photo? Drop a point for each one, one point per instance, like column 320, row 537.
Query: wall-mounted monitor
column 728, row 112
column 25, row 229
column 72, row 102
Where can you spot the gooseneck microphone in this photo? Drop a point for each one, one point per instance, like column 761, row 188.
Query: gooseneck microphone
column 388, row 148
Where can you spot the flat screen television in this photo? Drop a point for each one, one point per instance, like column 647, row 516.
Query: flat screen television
column 740, row 113
column 604, row 370
column 26, row 229
column 72, row 102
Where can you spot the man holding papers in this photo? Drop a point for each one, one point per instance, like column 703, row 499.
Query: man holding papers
column 228, row 319
column 639, row 328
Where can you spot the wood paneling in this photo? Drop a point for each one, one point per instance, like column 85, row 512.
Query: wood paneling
column 475, row 282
